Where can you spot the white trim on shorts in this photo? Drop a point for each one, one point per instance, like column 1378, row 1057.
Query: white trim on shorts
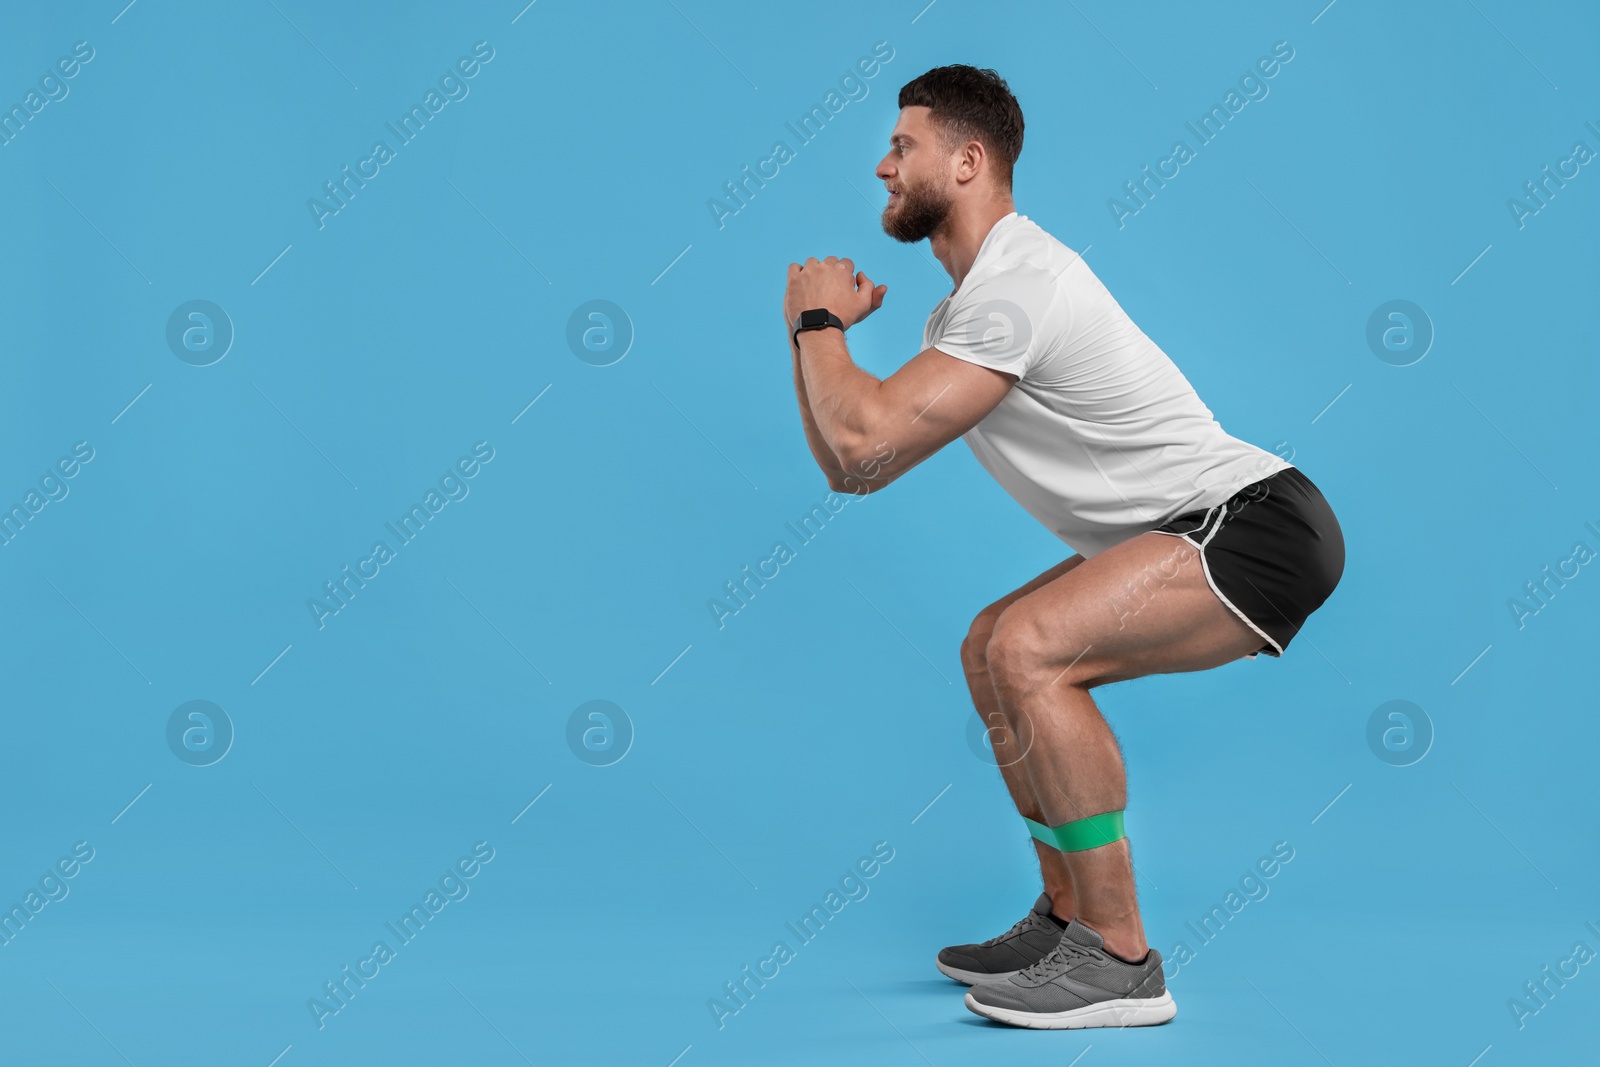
column 1205, row 567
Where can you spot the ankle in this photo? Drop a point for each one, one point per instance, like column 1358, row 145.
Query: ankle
column 1129, row 948
column 1127, row 945
column 1123, row 951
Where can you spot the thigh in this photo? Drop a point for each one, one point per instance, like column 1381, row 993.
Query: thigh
column 1141, row 607
column 986, row 618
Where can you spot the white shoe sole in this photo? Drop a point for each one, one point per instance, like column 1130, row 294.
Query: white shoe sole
column 971, row 977
column 1128, row 1011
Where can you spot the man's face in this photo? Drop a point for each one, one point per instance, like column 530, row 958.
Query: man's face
column 916, row 173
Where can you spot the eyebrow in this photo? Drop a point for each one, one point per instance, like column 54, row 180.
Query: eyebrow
column 901, row 138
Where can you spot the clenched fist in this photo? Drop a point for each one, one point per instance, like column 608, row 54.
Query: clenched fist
column 832, row 283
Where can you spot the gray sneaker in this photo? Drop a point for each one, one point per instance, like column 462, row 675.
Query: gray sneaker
column 1025, row 944
column 1078, row 985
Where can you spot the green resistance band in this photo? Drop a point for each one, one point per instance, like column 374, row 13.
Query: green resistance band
column 1082, row 834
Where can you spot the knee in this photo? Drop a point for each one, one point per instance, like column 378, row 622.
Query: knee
column 974, row 654
column 1016, row 652
column 1023, row 656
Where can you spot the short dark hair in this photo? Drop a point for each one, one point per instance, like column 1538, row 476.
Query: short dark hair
column 971, row 104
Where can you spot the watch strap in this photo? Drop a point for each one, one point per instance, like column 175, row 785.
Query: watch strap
column 815, row 319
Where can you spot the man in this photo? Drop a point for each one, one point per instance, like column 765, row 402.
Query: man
column 1193, row 548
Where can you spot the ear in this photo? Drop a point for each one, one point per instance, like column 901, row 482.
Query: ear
column 969, row 163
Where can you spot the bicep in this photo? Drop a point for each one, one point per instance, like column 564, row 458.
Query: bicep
column 929, row 402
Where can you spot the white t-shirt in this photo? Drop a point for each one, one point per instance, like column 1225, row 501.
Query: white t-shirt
column 1102, row 437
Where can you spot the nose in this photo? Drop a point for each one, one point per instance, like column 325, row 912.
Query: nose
column 885, row 170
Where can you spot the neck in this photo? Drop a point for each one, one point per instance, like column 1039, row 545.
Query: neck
column 957, row 240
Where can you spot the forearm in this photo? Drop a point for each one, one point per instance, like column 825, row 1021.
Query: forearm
column 824, row 455
column 845, row 403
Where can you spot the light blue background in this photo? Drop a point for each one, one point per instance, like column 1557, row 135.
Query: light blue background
column 831, row 711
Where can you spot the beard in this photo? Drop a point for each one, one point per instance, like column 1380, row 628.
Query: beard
column 919, row 212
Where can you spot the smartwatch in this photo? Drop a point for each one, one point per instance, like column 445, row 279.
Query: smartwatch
column 815, row 319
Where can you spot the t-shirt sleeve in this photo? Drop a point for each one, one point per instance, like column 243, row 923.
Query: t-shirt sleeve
column 1001, row 321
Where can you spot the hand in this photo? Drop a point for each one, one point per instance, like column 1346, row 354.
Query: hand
column 832, row 283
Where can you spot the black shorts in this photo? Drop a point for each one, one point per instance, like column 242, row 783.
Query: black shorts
column 1272, row 553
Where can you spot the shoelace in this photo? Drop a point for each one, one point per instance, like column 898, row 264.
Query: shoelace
column 1059, row 960
column 1027, row 922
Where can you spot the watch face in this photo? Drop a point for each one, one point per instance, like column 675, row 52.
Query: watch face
column 814, row 317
